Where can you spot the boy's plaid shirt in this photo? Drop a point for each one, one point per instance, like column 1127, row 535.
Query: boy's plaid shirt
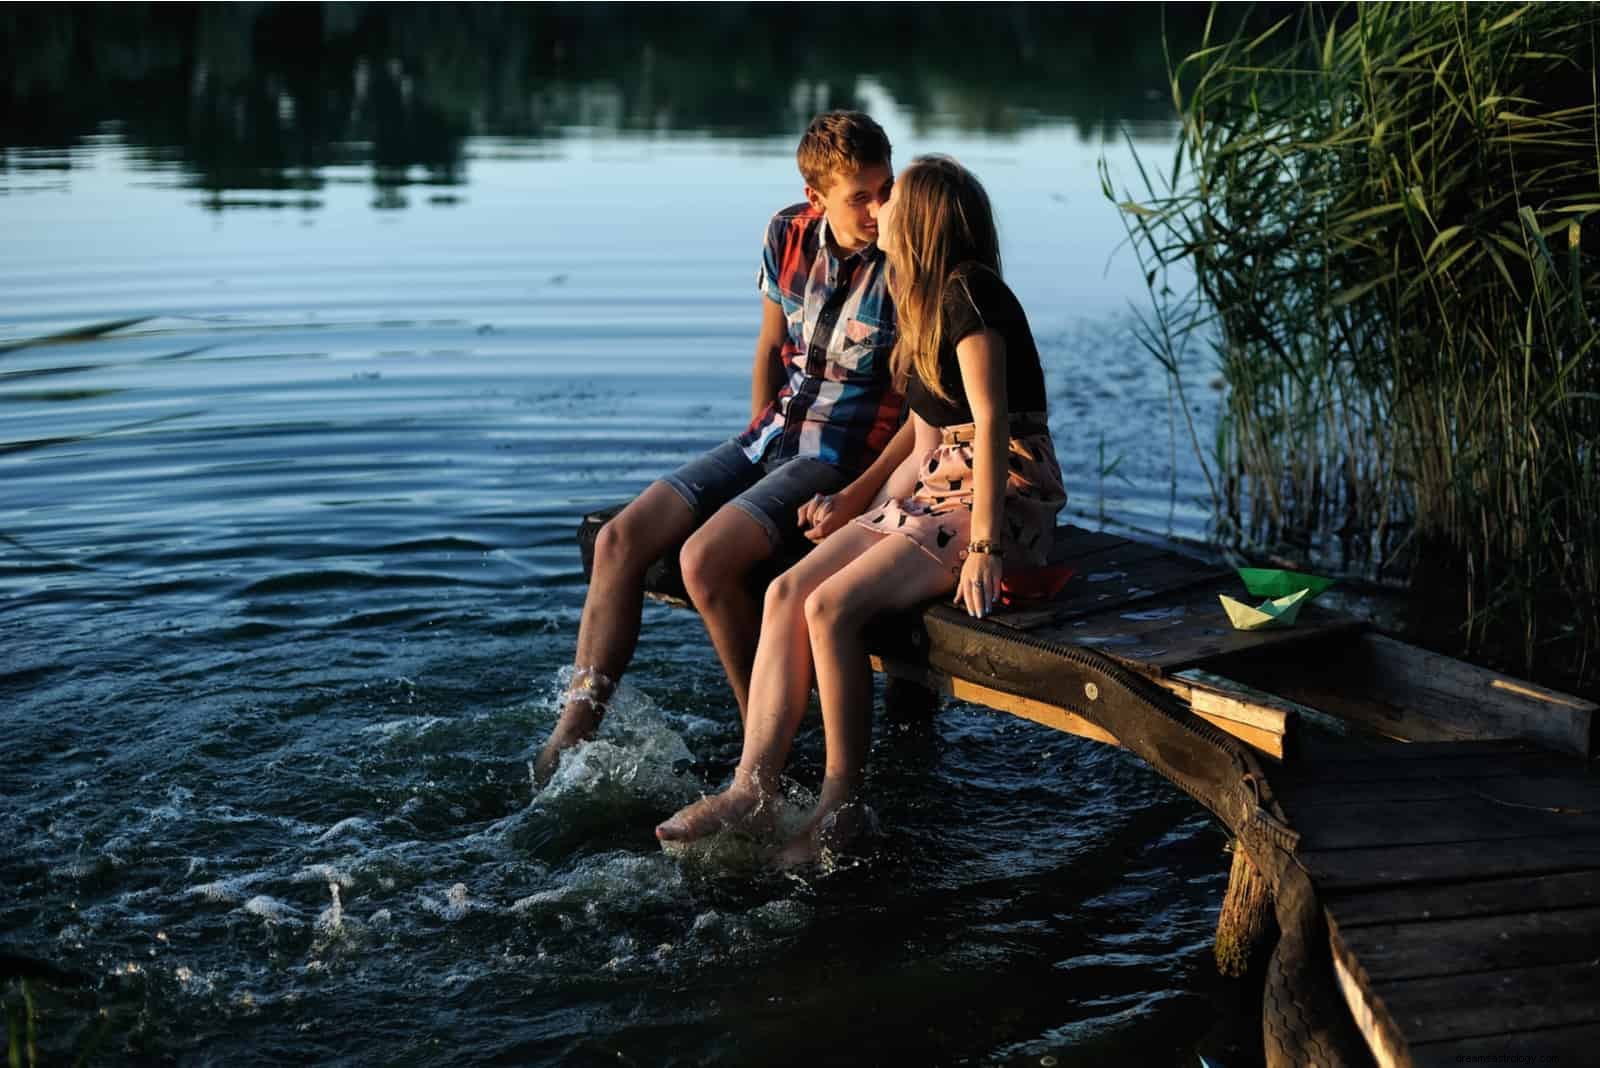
column 838, row 404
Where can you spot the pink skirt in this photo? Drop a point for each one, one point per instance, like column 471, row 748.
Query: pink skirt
column 937, row 516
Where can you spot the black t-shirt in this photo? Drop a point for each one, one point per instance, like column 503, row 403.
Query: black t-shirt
column 984, row 302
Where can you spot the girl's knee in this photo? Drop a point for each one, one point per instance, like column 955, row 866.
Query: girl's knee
column 784, row 593
column 829, row 605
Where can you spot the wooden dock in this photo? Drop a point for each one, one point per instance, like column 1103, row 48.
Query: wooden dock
column 1456, row 879
column 1461, row 884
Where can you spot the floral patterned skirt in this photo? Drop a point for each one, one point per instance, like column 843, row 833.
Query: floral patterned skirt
column 938, row 514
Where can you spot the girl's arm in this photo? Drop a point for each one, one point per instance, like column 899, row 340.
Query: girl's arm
column 982, row 358
column 826, row 513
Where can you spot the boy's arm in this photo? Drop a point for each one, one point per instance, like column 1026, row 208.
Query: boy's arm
column 766, row 375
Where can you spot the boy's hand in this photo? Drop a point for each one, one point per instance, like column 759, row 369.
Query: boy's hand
column 827, row 512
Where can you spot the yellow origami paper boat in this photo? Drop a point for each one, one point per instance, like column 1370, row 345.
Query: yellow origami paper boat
column 1277, row 612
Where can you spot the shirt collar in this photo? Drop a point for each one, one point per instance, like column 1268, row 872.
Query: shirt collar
column 866, row 254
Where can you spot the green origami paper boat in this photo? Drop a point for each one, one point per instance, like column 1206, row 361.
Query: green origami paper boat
column 1268, row 582
column 1285, row 591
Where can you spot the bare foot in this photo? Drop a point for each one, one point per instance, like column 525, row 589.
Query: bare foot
column 742, row 805
column 830, row 828
column 575, row 725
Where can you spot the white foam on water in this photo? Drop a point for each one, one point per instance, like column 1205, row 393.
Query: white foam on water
column 331, row 919
column 351, row 825
column 452, row 905
column 404, row 727
column 324, row 873
column 229, row 890
column 635, row 754
column 274, row 911
column 607, row 884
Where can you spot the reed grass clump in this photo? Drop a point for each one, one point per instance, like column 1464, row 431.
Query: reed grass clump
column 1384, row 208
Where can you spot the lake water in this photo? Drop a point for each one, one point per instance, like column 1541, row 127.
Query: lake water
column 296, row 427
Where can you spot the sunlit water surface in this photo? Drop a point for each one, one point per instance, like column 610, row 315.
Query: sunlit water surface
column 288, row 579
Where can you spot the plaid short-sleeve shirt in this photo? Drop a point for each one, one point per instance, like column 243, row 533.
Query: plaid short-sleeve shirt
column 838, row 404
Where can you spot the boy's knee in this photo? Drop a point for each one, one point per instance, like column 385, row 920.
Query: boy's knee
column 615, row 546
column 707, row 571
column 719, row 555
column 626, row 543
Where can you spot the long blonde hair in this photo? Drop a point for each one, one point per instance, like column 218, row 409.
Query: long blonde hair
column 942, row 222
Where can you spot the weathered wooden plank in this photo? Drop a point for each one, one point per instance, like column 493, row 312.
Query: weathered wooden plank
column 1353, row 869
column 1072, row 543
column 978, row 694
column 1407, row 692
column 1304, row 776
column 1203, row 648
column 1578, row 889
column 1546, row 1045
column 1354, row 749
column 1258, row 728
column 1218, row 702
column 1492, row 1003
column 1390, row 952
column 1551, row 792
column 1185, row 629
column 1461, row 819
column 1114, row 580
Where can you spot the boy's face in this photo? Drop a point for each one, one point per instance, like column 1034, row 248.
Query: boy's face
column 851, row 204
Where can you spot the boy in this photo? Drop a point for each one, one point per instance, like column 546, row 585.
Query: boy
column 822, row 410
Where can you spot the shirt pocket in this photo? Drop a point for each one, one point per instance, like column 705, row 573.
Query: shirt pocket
column 863, row 347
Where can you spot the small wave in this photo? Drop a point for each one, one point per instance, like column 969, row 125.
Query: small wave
column 407, row 726
column 452, row 905
column 229, row 890
column 608, row 884
column 324, row 873
column 354, row 826
column 274, row 911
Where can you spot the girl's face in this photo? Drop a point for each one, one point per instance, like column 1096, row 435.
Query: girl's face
column 888, row 237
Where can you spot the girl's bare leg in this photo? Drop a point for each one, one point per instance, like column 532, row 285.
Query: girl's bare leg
column 779, row 685
column 892, row 576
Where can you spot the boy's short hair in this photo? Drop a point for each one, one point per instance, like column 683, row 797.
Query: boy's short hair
column 840, row 142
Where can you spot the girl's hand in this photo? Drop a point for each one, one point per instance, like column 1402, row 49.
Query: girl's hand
column 827, row 512
column 979, row 586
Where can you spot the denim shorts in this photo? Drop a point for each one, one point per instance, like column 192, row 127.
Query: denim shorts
column 768, row 491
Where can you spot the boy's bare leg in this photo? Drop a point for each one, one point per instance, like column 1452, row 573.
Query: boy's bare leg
column 892, row 576
column 716, row 561
column 656, row 521
column 779, row 686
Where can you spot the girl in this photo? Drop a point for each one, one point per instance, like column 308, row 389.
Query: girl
column 979, row 491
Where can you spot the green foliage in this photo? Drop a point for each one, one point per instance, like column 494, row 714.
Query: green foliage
column 1383, row 206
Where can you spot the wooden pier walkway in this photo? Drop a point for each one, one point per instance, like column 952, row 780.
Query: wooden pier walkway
column 1461, row 884
column 1458, row 876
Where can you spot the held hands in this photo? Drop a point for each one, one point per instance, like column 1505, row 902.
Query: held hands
column 827, row 512
column 978, row 588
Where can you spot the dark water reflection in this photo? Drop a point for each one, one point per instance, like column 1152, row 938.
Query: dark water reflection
column 320, row 329
column 265, row 97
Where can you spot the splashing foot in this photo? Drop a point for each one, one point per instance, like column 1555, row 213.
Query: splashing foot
column 740, row 807
column 831, row 827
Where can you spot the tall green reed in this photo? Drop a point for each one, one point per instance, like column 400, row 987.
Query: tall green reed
column 1383, row 208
